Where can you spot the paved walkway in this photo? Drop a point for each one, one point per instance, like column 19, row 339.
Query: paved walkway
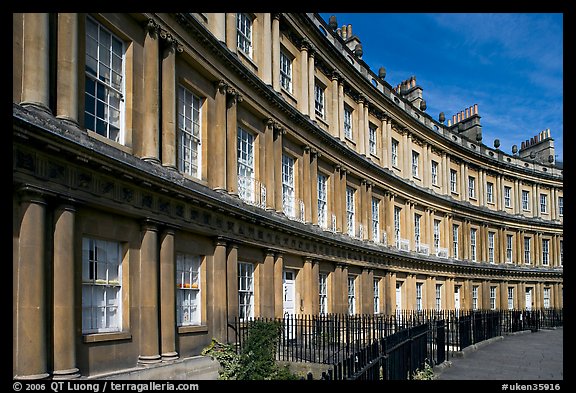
column 533, row 356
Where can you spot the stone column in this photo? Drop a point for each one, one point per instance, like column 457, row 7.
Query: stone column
column 278, row 150
column 385, row 141
column 148, row 280
column 167, row 296
column 276, row 51
column 425, row 167
column 370, row 230
column 306, row 185
column 67, row 68
column 463, row 182
column 303, row 105
column 217, row 291
column 267, row 48
column 343, row 182
column 481, row 182
column 405, row 157
column 389, row 293
column 466, row 239
column 233, row 98
column 64, row 299
column 314, row 187
column 390, row 219
column 429, row 302
column 28, row 291
column 269, row 164
column 337, row 201
column 232, row 288
column 231, row 32
column 311, row 85
column 520, row 247
column 150, row 149
column 341, row 109
column 339, row 291
column 277, row 282
column 498, row 193
column 365, row 289
column 447, row 174
column 361, row 142
column 35, row 61
column 217, row 138
column 335, row 122
column 169, row 103
column 537, row 206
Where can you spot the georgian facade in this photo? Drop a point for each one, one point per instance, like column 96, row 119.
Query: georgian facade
column 172, row 172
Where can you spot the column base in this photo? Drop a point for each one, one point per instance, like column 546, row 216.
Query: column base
column 149, row 359
column 31, row 377
column 36, row 105
column 153, row 160
column 169, row 356
column 66, row 374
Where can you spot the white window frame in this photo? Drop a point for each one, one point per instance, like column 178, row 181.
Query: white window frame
column 489, row 192
column 106, row 75
column 351, row 294
column 244, row 23
column 491, row 247
column 561, row 206
column 323, row 293
column 245, row 291
column 473, row 244
column 436, row 234
column 543, row 203
column 189, row 132
column 322, row 201
column 509, row 242
column 527, row 259
column 455, row 248
column 188, row 295
column 453, row 181
column 415, row 162
column 375, row 219
column 492, row 298
column 101, row 286
column 471, row 187
column 507, row 198
column 350, row 211
column 286, row 71
column 418, row 296
column 348, row 122
column 545, row 252
column 510, row 298
column 319, row 101
column 245, row 167
column 546, row 298
column 376, row 284
column 372, row 138
column 475, row 297
column 561, row 252
column 525, row 200
column 394, row 152
column 434, row 171
column 288, row 188
column 397, row 211
column 438, row 297
column 417, row 218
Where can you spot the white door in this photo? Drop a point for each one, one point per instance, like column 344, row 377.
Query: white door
column 457, row 298
column 528, row 299
column 398, row 296
column 289, row 303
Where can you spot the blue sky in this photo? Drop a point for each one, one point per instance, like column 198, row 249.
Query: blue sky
column 511, row 65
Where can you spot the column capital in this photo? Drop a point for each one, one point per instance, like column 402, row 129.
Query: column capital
column 149, row 224
column 31, row 194
column 305, row 44
column 335, row 75
column 171, row 44
column 152, row 28
column 221, row 86
column 306, row 149
column 276, row 15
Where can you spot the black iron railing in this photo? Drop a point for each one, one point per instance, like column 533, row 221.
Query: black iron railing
column 355, row 343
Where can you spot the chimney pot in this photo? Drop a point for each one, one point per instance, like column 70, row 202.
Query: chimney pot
column 522, row 146
column 333, row 23
column 349, row 31
column 459, row 117
column 467, row 113
column 449, row 123
column 454, row 119
column 475, row 109
column 344, row 32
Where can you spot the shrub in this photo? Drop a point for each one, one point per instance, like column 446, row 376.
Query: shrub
column 257, row 361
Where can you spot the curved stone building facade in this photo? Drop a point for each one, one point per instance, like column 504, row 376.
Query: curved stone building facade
column 172, row 172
